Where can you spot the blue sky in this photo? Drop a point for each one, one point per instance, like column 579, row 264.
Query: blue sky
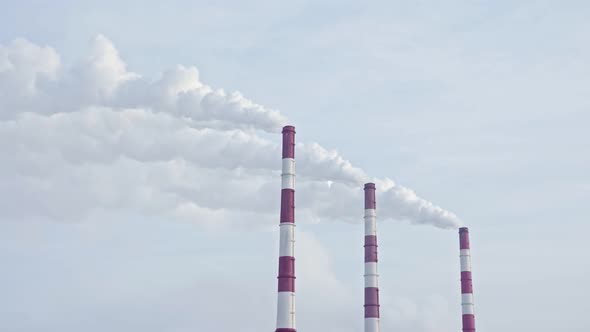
column 480, row 107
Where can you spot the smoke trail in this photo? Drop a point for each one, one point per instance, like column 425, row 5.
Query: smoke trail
column 396, row 202
column 33, row 80
column 77, row 125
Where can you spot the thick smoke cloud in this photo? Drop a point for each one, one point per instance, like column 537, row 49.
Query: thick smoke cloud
column 33, row 80
column 96, row 136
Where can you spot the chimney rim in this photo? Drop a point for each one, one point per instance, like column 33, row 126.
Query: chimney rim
column 289, row 128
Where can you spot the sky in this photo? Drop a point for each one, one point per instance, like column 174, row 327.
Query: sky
column 141, row 162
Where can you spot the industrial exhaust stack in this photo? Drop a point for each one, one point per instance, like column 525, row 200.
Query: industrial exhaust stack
column 286, row 297
column 466, row 282
column 371, row 276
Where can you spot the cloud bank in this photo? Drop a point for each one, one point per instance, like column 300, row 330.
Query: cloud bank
column 96, row 136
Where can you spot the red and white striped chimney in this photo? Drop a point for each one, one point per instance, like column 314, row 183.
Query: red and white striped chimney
column 466, row 283
column 286, row 297
column 371, row 276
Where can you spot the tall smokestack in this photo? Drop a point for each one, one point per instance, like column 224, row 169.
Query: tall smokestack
column 466, row 283
column 286, row 297
column 371, row 286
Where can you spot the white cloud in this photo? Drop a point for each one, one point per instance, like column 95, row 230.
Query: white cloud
column 98, row 137
column 25, row 70
column 32, row 81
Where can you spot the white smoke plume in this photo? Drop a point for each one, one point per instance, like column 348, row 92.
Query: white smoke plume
column 33, row 80
column 96, row 136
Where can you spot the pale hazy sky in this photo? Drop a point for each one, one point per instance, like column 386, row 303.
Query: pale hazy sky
column 108, row 221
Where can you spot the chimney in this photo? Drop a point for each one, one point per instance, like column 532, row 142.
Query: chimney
column 466, row 283
column 371, row 276
column 286, row 297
